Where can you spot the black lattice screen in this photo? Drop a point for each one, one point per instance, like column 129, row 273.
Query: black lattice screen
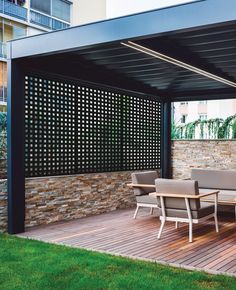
column 72, row 128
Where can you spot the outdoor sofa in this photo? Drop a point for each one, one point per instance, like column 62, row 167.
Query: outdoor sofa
column 222, row 180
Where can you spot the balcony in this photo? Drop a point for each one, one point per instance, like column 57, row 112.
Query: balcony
column 13, row 10
column 47, row 21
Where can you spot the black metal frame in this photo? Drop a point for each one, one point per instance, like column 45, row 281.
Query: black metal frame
column 50, row 54
column 15, row 147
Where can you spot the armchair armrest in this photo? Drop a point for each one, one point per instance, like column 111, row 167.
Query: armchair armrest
column 154, row 194
column 141, row 185
column 215, row 192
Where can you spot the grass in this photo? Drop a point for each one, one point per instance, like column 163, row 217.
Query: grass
column 27, row 264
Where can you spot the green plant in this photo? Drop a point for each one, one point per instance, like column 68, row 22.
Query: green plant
column 213, row 128
column 234, row 129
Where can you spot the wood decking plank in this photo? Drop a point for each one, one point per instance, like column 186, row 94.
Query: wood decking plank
column 118, row 233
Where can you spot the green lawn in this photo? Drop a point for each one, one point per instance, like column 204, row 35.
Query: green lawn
column 27, row 264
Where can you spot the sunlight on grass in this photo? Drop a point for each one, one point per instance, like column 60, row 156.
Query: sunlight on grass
column 28, row 264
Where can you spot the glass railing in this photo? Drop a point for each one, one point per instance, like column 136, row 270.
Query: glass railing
column 46, row 21
column 11, row 9
column 3, row 95
column 3, row 50
column 56, row 24
column 40, row 19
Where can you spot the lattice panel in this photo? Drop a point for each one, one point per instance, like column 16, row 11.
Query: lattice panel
column 100, row 130
column 141, row 133
column 50, row 127
column 73, row 128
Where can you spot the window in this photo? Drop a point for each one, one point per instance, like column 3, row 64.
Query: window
column 183, row 119
column 57, row 8
column 202, row 117
column 42, row 6
column 61, row 10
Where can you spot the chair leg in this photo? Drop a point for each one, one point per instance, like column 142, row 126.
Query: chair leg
column 190, row 232
column 216, row 223
column 161, row 229
column 176, row 225
column 151, row 211
column 136, row 211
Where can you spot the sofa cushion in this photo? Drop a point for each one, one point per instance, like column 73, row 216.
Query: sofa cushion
column 202, row 212
column 169, row 186
column 146, row 199
column 147, row 177
column 216, row 179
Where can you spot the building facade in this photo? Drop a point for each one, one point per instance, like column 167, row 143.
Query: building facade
column 20, row 18
column 186, row 112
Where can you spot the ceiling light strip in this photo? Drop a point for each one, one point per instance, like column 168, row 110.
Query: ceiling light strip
column 174, row 61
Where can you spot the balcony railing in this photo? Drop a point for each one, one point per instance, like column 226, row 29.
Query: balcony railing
column 46, row 21
column 3, row 50
column 13, row 10
column 3, row 95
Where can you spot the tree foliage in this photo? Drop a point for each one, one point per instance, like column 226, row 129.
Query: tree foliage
column 207, row 129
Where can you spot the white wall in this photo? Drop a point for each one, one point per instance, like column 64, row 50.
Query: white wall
column 33, row 31
column 124, row 7
column 87, row 11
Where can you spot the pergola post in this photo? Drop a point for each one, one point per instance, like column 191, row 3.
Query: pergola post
column 166, row 171
column 15, row 145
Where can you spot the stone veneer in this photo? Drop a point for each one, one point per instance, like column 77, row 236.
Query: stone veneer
column 59, row 198
column 3, row 168
column 3, row 205
column 187, row 154
column 51, row 199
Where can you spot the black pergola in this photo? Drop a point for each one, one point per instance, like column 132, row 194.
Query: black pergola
column 123, row 72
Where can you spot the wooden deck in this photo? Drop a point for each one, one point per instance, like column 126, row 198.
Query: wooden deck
column 117, row 233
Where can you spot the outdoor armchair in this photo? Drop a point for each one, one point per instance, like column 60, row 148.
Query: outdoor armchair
column 143, row 183
column 179, row 201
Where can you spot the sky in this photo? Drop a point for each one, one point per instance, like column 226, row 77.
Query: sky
column 124, row 7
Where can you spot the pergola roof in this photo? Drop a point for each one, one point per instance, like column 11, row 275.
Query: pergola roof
column 201, row 34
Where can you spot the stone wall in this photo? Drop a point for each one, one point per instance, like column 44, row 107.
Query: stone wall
column 68, row 197
column 187, row 154
column 3, row 205
column 3, row 169
column 60, row 198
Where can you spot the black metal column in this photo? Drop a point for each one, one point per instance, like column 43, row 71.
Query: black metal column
column 15, row 144
column 166, row 160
